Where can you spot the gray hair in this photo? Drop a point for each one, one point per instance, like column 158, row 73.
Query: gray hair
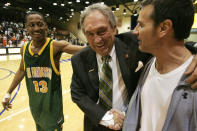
column 102, row 8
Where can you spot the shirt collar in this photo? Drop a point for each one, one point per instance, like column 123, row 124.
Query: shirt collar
column 112, row 54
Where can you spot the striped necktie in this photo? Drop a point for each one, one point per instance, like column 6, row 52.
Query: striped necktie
column 106, row 84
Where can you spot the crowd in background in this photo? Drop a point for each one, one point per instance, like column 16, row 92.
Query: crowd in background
column 15, row 35
column 12, row 34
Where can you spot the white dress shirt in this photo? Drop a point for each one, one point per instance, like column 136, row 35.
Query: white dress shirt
column 119, row 90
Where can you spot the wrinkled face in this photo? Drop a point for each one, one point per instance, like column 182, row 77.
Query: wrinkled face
column 36, row 27
column 99, row 33
column 145, row 31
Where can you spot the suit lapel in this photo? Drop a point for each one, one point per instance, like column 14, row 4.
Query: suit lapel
column 92, row 69
column 122, row 54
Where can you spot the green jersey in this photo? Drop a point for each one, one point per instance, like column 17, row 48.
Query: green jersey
column 43, row 83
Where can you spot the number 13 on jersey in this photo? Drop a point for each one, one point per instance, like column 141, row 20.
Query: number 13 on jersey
column 40, row 86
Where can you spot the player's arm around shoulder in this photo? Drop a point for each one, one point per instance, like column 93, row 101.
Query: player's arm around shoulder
column 17, row 79
column 64, row 46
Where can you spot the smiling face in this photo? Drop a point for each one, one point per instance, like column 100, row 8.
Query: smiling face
column 36, row 27
column 146, row 32
column 99, row 33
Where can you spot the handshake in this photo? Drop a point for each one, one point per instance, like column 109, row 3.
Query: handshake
column 113, row 119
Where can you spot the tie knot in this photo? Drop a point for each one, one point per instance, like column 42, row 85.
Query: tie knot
column 106, row 59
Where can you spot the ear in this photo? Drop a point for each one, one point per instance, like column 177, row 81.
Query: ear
column 115, row 30
column 165, row 27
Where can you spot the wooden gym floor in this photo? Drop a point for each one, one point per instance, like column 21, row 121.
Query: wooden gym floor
column 19, row 118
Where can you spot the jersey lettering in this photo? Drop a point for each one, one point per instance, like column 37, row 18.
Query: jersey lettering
column 39, row 72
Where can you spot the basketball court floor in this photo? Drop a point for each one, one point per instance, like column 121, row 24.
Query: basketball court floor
column 19, row 118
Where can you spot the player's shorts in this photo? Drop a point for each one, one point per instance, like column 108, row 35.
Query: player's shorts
column 58, row 128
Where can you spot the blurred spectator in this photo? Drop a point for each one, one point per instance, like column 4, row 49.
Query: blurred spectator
column 15, row 34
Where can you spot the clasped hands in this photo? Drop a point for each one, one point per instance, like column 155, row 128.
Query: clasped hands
column 118, row 119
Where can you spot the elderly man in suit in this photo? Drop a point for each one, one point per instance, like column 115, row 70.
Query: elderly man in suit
column 99, row 26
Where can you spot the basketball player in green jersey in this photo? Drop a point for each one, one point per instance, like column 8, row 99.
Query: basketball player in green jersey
column 40, row 66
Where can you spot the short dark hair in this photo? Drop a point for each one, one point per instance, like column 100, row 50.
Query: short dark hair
column 180, row 12
column 32, row 13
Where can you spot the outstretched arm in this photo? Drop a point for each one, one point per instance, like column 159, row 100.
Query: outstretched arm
column 64, row 46
column 17, row 79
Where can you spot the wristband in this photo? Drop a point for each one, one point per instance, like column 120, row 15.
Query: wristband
column 7, row 96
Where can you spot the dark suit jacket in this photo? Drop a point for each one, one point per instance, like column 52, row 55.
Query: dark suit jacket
column 85, row 80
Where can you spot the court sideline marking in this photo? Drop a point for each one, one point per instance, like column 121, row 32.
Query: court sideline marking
column 19, row 85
